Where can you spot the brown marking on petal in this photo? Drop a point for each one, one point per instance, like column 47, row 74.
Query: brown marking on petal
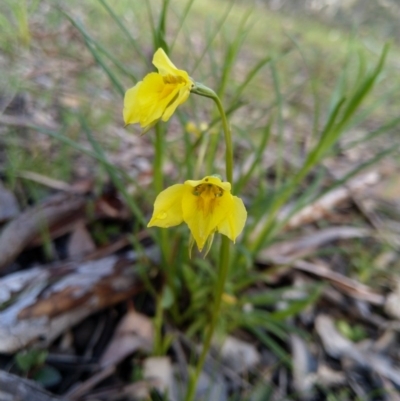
column 207, row 197
column 172, row 79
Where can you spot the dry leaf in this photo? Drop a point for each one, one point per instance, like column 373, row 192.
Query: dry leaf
column 134, row 332
column 239, row 355
column 9, row 207
column 80, row 242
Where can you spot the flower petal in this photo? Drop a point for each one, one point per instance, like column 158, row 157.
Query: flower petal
column 147, row 101
column 210, row 179
column 168, row 207
column 235, row 219
column 204, row 221
column 130, row 113
column 153, row 97
column 180, row 98
column 167, row 68
column 162, row 62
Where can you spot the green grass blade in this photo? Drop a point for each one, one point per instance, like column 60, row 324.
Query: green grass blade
column 271, row 344
column 182, row 21
column 363, row 90
column 258, row 155
column 313, row 84
column 161, row 31
column 124, row 29
column 249, row 77
column 381, row 130
column 96, row 45
column 113, row 173
column 280, row 141
column 115, row 81
column 151, row 24
column 232, row 50
column 212, row 36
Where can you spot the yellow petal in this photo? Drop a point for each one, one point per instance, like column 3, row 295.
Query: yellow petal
column 153, row 97
column 147, row 101
column 180, row 98
column 131, row 101
column 203, row 218
column 235, row 219
column 210, row 179
column 168, row 207
column 166, row 68
column 162, row 62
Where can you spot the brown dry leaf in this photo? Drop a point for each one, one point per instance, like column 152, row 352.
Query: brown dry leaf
column 46, row 181
column 325, row 204
column 306, row 244
column 80, row 243
column 347, row 285
column 110, row 205
column 23, row 229
column 9, row 207
column 134, row 332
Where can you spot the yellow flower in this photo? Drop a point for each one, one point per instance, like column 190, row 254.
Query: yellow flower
column 206, row 206
column 158, row 95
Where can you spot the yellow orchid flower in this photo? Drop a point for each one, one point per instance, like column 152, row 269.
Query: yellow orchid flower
column 158, row 95
column 206, row 206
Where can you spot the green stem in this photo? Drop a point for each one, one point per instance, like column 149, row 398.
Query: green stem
column 224, row 251
column 162, row 235
column 158, row 321
column 158, row 160
column 219, row 290
column 159, row 183
column 202, row 90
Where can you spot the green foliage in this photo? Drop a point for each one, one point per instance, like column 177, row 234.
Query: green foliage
column 354, row 332
column 14, row 23
column 32, row 364
column 256, row 74
column 27, row 360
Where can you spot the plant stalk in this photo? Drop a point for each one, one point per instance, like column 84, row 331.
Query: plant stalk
column 224, row 250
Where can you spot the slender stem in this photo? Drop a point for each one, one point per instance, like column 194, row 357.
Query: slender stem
column 158, row 160
column 158, row 321
column 159, row 183
column 162, row 234
column 228, row 142
column 224, row 251
column 219, row 290
column 202, row 90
